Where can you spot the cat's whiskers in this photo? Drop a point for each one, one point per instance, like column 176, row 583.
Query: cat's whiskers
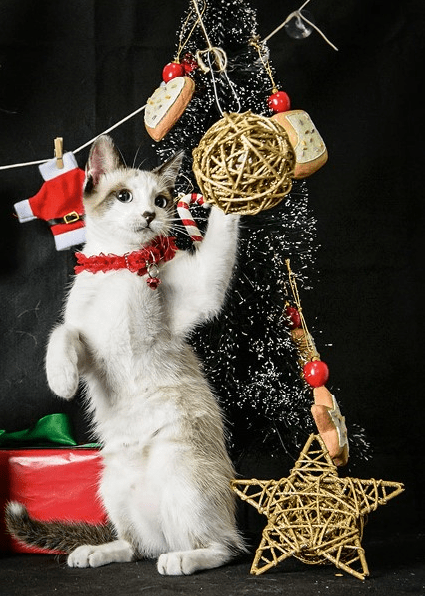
column 122, row 158
column 181, row 229
column 135, row 157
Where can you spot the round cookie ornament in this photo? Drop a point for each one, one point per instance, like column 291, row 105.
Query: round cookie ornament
column 165, row 106
column 310, row 150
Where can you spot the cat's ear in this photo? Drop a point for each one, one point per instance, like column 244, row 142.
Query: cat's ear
column 104, row 157
column 169, row 169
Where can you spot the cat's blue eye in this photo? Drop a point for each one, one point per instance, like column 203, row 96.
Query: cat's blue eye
column 124, row 196
column 161, row 201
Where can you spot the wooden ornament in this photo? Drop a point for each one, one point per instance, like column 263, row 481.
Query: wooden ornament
column 166, row 105
column 244, row 163
column 330, row 424
column 305, row 345
column 313, row 514
column 310, row 150
column 325, row 410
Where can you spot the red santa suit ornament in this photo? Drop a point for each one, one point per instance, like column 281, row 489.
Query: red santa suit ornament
column 59, row 202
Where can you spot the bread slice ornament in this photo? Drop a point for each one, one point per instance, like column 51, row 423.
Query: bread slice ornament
column 310, row 150
column 331, row 425
column 165, row 106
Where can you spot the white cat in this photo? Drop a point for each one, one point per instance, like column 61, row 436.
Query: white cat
column 165, row 483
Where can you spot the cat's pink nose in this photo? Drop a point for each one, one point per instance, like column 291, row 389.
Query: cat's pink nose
column 149, row 216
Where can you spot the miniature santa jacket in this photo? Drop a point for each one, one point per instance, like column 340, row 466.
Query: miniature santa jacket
column 59, row 202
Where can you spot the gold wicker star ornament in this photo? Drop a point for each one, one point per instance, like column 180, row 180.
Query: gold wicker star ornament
column 313, row 514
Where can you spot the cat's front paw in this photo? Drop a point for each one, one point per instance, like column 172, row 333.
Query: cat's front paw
column 170, row 564
column 63, row 352
column 63, row 378
column 83, row 556
column 182, row 563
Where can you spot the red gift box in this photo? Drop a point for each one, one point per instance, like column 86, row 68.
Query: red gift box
column 58, row 484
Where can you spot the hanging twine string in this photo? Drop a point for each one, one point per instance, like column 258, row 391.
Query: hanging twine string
column 220, row 60
column 257, row 45
column 219, row 54
column 229, row 82
column 111, row 128
column 34, row 163
column 311, row 348
column 297, row 13
column 181, row 43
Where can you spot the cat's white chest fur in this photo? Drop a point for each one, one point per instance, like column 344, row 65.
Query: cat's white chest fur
column 118, row 312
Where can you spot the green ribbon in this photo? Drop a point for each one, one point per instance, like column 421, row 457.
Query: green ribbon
column 52, row 429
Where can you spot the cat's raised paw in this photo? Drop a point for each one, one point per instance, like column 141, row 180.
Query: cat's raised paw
column 63, row 380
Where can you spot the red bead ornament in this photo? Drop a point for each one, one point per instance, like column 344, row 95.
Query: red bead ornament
column 279, row 102
column 172, row 70
column 294, row 317
column 316, row 373
column 189, row 63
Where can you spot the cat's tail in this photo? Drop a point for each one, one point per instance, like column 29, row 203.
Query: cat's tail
column 53, row 535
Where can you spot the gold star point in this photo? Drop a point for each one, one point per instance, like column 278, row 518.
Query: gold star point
column 313, row 514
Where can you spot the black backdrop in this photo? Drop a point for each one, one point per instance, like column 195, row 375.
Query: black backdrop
column 72, row 69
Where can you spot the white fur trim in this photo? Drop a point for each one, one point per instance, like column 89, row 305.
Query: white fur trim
column 50, row 170
column 68, row 239
column 24, row 211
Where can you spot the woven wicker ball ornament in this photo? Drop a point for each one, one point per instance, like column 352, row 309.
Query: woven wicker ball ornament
column 244, row 164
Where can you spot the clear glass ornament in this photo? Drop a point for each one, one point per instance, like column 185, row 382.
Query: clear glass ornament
column 298, row 28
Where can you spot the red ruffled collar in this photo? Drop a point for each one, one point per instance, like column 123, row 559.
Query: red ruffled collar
column 145, row 260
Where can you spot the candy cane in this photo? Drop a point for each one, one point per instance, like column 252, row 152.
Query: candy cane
column 186, row 216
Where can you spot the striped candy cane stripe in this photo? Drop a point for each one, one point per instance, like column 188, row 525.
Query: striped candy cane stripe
column 186, row 216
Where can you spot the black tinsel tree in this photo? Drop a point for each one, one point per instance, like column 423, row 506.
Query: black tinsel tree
column 247, row 352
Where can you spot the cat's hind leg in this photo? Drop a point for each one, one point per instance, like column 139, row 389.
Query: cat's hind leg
column 118, row 551
column 187, row 562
